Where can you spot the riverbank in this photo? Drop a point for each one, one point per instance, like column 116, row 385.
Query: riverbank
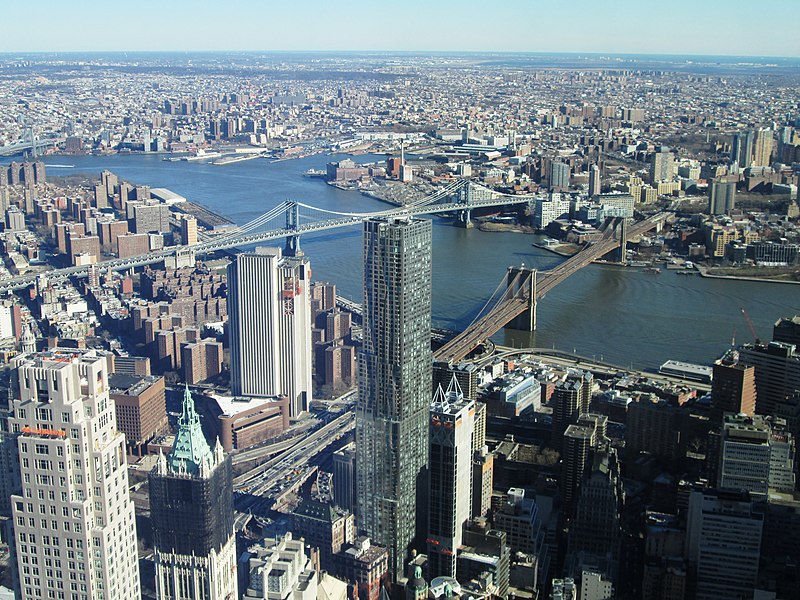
column 566, row 250
column 504, row 227
column 708, row 273
column 467, row 265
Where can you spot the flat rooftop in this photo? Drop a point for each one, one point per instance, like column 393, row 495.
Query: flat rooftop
column 233, row 405
column 166, row 196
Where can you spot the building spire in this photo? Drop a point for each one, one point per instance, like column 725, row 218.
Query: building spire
column 191, row 454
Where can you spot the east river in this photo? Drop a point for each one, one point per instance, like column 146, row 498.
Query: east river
column 626, row 316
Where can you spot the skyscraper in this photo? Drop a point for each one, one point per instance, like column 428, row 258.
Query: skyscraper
column 74, row 509
column 559, row 176
column 661, row 166
column 742, row 148
column 394, row 384
column 777, row 373
column 191, row 509
column 594, row 180
column 567, row 402
column 723, row 543
column 762, row 151
column 576, row 445
column 733, row 388
column 450, row 470
column 722, row 197
column 756, row 455
column 270, row 326
column 596, row 525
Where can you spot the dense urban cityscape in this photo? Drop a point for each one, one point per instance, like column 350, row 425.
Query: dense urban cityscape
column 251, row 349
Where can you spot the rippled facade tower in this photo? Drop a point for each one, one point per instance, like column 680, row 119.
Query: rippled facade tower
column 394, row 382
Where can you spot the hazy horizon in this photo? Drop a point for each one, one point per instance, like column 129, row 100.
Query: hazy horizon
column 617, row 27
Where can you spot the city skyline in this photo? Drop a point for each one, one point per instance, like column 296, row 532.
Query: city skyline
column 703, row 29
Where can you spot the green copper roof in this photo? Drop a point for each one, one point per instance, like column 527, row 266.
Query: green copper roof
column 190, row 452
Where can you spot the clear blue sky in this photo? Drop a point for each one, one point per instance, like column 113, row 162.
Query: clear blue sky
column 731, row 27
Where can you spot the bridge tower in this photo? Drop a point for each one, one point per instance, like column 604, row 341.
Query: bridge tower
column 292, row 222
column 524, row 287
column 623, row 238
column 465, row 198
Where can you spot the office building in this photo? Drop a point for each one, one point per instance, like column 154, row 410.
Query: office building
column 191, row 510
column 777, row 373
column 733, row 388
column 742, row 149
column 722, row 197
column 278, row 569
column 270, row 326
column 653, row 425
column 148, row 216
column 482, row 481
column 723, row 543
column 450, row 476
column 141, row 408
column 74, row 506
column 485, row 558
column 189, row 231
column 594, row 180
column 344, row 477
column 662, row 166
column 325, row 528
column 787, row 330
column 595, row 528
column 547, row 210
column 762, row 147
column 756, row 455
column 394, row 385
column 566, row 400
column 559, row 176
column 518, row 517
column 577, row 443
column 244, row 422
column 15, row 219
column 365, row 566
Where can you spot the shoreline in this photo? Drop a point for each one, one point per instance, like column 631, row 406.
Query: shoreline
column 704, row 273
column 555, row 250
column 224, row 222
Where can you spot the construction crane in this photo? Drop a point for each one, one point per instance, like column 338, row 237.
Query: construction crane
column 749, row 324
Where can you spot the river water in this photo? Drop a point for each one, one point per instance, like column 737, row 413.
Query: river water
column 629, row 317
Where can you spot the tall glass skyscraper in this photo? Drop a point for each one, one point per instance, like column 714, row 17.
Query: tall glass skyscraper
column 394, row 385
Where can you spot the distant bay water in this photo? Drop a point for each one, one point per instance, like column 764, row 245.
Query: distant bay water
column 629, row 317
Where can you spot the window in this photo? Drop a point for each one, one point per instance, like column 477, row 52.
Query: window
column 42, row 449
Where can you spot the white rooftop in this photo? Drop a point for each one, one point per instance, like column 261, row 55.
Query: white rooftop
column 233, row 405
column 166, row 196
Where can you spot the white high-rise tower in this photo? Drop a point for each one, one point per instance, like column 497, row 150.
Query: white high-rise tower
column 74, row 527
column 270, row 326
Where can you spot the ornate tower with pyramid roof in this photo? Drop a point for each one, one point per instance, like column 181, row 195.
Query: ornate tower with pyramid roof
column 191, row 508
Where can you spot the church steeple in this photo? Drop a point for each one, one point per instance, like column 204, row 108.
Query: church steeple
column 191, row 454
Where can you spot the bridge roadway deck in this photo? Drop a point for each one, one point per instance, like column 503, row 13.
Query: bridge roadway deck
column 509, row 308
column 227, row 242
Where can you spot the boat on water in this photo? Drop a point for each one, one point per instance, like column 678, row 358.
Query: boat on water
column 654, row 270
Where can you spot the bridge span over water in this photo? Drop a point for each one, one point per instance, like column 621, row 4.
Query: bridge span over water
column 521, row 288
column 290, row 220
